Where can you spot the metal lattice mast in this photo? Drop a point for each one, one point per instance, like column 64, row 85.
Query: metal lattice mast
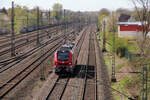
column 113, row 78
column 42, row 66
column 41, row 42
column 12, row 28
column 41, row 17
column 79, row 21
column 37, row 26
column 64, row 26
column 49, row 16
column 144, row 84
column 27, row 19
column 104, row 38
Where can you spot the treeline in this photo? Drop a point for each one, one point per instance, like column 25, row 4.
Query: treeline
column 24, row 17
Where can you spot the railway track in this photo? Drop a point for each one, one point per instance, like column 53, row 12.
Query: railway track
column 6, row 64
column 90, row 80
column 22, row 39
column 13, row 58
column 12, row 82
column 13, row 61
column 58, row 89
column 6, row 87
column 21, row 43
column 61, row 83
column 87, row 88
column 105, row 92
column 88, row 72
column 31, row 34
column 8, row 38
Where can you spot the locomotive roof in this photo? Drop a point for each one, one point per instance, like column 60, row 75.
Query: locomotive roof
column 63, row 49
column 66, row 47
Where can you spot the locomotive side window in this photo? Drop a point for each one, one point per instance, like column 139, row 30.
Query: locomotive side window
column 63, row 56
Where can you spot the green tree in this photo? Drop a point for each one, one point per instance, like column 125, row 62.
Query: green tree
column 57, row 11
column 104, row 11
column 102, row 14
column 21, row 14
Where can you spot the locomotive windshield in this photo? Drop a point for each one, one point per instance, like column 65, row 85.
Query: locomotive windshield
column 63, row 55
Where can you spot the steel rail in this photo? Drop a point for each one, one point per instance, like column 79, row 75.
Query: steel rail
column 28, row 33
column 55, row 85
column 86, row 71
column 6, row 51
column 19, row 46
column 96, row 87
column 78, row 45
column 29, row 53
column 4, row 93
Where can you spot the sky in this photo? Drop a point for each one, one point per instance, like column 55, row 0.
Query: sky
column 75, row 5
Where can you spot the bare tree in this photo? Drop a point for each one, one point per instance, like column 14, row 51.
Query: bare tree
column 143, row 13
column 104, row 11
column 123, row 10
column 112, row 22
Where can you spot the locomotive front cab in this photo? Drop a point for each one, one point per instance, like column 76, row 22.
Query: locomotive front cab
column 63, row 60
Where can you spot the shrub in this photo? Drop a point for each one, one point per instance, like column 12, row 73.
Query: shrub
column 126, row 83
column 120, row 44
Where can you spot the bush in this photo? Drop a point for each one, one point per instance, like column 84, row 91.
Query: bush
column 121, row 44
column 126, row 83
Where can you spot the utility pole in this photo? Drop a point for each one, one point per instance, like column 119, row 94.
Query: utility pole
column 104, row 38
column 12, row 28
column 97, row 28
column 66, row 22
column 99, row 32
column 27, row 22
column 27, row 19
column 49, row 16
column 144, row 84
column 41, row 18
column 42, row 66
column 37, row 26
column 64, row 26
column 113, row 78
column 79, row 21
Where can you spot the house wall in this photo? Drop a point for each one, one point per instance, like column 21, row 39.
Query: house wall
column 128, row 34
column 128, row 27
column 128, row 30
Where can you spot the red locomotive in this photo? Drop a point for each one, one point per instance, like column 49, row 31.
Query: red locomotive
column 63, row 59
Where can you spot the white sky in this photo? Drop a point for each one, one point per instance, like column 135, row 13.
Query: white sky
column 75, row 5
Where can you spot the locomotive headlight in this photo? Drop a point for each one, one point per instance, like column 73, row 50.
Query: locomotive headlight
column 70, row 63
column 56, row 63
